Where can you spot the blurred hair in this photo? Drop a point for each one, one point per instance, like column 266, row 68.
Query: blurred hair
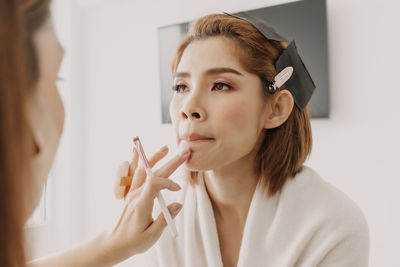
column 19, row 21
column 282, row 150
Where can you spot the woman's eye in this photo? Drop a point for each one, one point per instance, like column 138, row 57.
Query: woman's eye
column 221, row 87
column 180, row 88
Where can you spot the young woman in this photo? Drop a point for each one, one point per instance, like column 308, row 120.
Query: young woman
column 248, row 200
column 31, row 123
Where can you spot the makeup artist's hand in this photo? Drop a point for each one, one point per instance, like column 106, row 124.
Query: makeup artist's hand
column 136, row 230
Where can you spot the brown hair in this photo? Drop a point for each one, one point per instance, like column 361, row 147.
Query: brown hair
column 282, row 150
column 17, row 64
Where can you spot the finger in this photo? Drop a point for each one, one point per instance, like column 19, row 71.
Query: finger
column 127, row 189
column 134, row 194
column 134, row 163
column 150, row 191
column 122, row 172
column 156, row 184
column 156, row 228
column 132, row 168
column 158, row 156
column 139, row 178
column 173, row 164
column 140, row 175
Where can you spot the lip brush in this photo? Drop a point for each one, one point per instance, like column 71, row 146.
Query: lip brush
column 161, row 201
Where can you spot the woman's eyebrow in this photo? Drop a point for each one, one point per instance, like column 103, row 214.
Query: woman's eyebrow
column 213, row 71
column 182, row 74
column 221, row 70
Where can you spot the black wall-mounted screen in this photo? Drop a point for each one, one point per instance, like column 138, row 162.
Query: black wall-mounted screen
column 304, row 21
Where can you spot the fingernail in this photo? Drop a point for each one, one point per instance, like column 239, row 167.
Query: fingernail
column 185, row 153
column 164, row 148
column 176, row 208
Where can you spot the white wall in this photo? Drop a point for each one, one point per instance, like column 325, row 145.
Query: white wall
column 356, row 149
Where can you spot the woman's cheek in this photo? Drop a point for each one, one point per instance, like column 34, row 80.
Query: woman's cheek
column 233, row 113
column 173, row 110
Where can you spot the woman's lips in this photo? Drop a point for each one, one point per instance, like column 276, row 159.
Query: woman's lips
column 192, row 137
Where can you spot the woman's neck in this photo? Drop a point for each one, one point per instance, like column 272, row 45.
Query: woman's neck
column 231, row 189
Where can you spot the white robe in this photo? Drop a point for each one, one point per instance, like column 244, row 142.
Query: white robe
column 309, row 223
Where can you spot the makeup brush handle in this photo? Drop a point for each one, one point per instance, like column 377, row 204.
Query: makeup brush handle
column 164, row 209
column 167, row 215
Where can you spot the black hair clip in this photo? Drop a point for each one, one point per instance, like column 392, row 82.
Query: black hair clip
column 299, row 82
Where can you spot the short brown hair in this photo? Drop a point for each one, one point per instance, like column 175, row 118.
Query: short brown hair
column 282, row 150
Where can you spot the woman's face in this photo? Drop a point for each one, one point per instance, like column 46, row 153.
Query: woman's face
column 45, row 108
column 217, row 109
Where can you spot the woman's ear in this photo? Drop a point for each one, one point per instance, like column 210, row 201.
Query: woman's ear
column 279, row 108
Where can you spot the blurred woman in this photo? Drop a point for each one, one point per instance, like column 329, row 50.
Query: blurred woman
column 31, row 124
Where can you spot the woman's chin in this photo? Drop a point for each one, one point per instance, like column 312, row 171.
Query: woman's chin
column 201, row 156
column 197, row 163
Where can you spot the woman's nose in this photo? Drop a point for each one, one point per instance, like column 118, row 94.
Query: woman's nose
column 192, row 110
column 192, row 115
